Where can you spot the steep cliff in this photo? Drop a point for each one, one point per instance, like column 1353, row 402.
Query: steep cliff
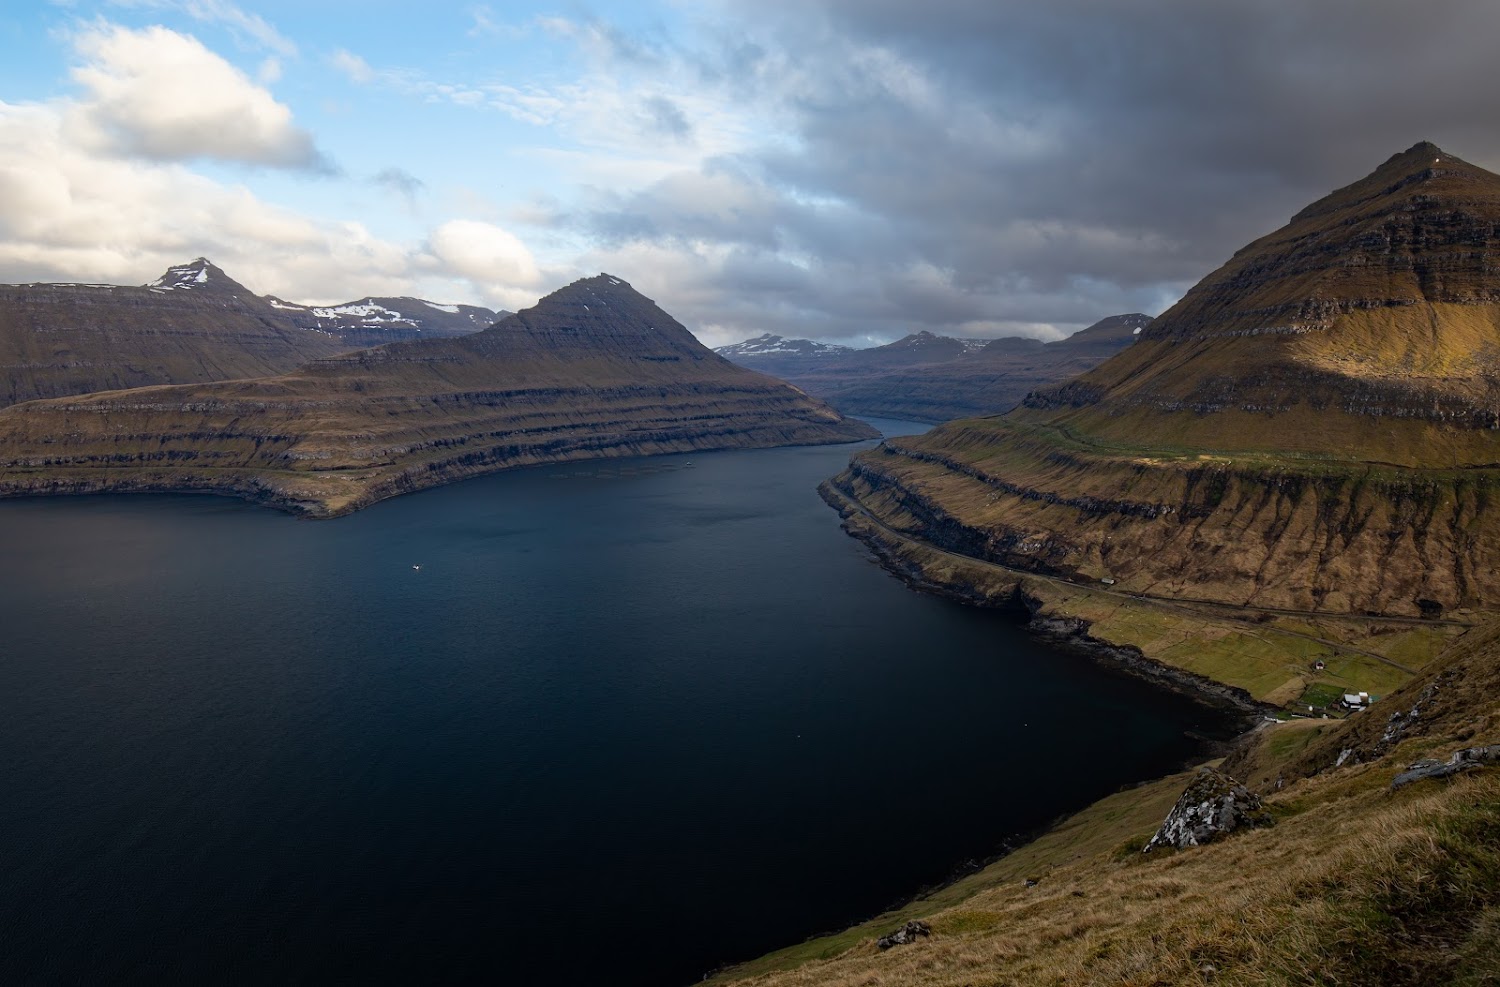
column 1315, row 426
column 594, row 369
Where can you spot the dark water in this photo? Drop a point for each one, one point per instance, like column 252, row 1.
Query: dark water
column 624, row 724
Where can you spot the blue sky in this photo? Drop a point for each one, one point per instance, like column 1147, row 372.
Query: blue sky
column 448, row 124
column 849, row 170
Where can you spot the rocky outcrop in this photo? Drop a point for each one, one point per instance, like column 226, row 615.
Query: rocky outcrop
column 1213, row 806
column 907, row 934
column 1465, row 760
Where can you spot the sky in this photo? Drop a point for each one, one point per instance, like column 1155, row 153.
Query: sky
column 846, row 170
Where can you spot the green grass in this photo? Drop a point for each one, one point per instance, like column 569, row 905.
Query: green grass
column 1321, row 694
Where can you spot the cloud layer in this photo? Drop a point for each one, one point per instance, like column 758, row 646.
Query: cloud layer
column 158, row 94
column 1005, row 165
column 103, row 186
column 841, row 169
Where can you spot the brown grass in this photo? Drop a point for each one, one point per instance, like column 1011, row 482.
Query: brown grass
column 1354, row 885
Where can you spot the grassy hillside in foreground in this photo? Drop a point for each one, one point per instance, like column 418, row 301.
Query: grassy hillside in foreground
column 1355, row 884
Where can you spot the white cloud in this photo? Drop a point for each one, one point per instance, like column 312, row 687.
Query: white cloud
column 484, row 253
column 158, row 94
column 71, row 213
column 357, row 69
column 485, row 22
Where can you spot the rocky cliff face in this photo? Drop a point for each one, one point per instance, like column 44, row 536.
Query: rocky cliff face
column 595, row 369
column 925, row 377
column 193, row 324
column 1313, row 426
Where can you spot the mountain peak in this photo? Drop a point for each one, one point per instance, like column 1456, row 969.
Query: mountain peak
column 198, row 274
column 1368, row 326
column 1419, row 229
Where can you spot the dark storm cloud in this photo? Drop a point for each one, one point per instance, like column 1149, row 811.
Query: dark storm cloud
column 1008, row 163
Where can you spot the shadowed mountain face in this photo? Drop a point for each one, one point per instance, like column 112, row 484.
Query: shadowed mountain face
column 192, row 324
column 1316, row 425
column 594, row 369
column 925, row 377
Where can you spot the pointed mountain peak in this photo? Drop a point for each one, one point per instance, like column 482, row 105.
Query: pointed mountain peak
column 1419, row 229
column 1424, row 170
column 198, row 274
column 1366, row 326
column 598, row 314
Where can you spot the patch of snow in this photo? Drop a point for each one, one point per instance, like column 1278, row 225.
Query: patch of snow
column 450, row 309
column 1136, row 331
column 181, row 277
column 367, row 312
column 283, row 305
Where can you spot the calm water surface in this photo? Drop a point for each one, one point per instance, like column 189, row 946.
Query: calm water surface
column 628, row 721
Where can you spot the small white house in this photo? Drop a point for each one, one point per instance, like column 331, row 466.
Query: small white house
column 1356, row 700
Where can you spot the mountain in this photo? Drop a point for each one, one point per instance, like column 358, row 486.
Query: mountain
column 1315, row 426
column 193, row 324
column 932, row 378
column 376, row 321
column 779, row 356
column 594, row 369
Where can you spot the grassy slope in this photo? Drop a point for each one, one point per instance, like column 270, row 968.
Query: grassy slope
column 1268, row 654
column 1354, row 885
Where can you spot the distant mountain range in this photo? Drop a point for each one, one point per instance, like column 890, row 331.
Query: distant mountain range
column 932, row 378
column 191, row 325
column 594, row 369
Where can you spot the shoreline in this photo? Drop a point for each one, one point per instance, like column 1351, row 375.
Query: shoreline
column 1072, row 633
column 1245, row 713
column 317, row 497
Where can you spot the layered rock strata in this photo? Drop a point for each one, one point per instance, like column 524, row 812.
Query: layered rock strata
column 1315, row 426
column 593, row 370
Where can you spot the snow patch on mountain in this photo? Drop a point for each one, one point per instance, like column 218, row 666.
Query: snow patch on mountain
column 182, row 277
column 366, row 311
column 768, row 343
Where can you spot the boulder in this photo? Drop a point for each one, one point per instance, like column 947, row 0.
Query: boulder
column 1464, row 760
column 1213, row 806
column 906, row 934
